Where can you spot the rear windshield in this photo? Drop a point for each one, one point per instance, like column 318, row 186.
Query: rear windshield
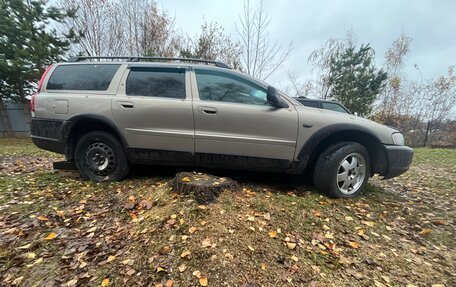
column 89, row 77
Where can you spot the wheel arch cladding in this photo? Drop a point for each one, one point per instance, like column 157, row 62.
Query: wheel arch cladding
column 76, row 126
column 327, row 136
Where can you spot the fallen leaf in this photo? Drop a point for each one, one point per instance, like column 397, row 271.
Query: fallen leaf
column 38, row 261
column 93, row 229
column 291, row 245
column 185, row 254
column 71, row 283
column 27, row 246
column 192, row 229
column 105, row 282
column 267, row 216
column 439, row 222
column 368, row 223
column 294, row 258
column 273, row 234
column 110, row 258
column 197, row 273
column 42, row 218
column 169, row 283
column 182, row 268
column 203, row 281
column 51, row 236
column 186, row 179
column 425, row 232
column 206, row 243
column 353, row 244
column 263, row 266
column 251, row 248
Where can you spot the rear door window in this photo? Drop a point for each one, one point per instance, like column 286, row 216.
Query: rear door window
column 312, row 104
column 89, row 77
column 156, row 82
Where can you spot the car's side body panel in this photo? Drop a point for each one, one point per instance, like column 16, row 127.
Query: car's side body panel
column 154, row 123
column 194, row 131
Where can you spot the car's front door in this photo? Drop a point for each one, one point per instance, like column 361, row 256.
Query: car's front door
column 153, row 108
column 236, row 126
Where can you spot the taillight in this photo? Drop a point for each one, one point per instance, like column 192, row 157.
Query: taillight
column 40, row 84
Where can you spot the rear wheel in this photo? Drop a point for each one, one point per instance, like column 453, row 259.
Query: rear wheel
column 99, row 156
column 342, row 170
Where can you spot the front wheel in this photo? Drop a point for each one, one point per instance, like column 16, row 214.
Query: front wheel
column 99, row 156
column 342, row 170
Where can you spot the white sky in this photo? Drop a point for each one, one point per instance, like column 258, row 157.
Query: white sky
column 308, row 24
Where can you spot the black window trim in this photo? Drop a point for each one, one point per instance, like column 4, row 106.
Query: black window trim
column 130, row 67
column 234, row 75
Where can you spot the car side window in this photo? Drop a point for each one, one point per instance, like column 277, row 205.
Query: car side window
column 89, row 77
column 224, row 87
column 312, row 104
column 156, row 82
column 333, row 107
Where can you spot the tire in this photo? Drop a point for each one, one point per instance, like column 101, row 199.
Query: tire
column 342, row 170
column 99, row 156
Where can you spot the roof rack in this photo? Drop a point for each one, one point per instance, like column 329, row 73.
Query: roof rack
column 150, row 59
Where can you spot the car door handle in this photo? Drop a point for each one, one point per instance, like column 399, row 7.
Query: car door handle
column 208, row 110
column 125, row 104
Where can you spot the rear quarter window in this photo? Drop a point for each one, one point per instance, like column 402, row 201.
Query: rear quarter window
column 89, row 77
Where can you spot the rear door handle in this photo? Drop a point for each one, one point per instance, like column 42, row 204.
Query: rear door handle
column 208, row 110
column 125, row 104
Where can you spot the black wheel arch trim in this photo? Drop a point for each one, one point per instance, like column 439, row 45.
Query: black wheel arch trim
column 70, row 123
column 311, row 145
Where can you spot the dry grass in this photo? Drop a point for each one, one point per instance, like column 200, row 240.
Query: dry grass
column 400, row 232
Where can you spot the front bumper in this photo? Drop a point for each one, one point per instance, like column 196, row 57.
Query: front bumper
column 399, row 159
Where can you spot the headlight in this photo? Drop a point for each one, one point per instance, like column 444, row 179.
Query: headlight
column 398, row 138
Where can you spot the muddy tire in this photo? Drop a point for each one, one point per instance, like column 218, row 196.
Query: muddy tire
column 99, row 156
column 342, row 170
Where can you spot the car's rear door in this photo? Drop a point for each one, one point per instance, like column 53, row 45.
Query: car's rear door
column 235, row 126
column 153, row 108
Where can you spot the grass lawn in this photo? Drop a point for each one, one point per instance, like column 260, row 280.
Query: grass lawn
column 59, row 230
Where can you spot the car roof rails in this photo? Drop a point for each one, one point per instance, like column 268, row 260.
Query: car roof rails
column 149, row 59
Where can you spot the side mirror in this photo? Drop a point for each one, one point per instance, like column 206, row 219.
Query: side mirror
column 274, row 99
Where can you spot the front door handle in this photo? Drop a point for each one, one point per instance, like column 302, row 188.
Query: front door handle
column 125, row 104
column 208, row 110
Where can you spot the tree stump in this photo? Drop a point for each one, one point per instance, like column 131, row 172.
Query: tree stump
column 205, row 188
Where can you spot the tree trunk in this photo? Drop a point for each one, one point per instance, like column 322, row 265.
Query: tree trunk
column 427, row 133
column 5, row 119
column 205, row 188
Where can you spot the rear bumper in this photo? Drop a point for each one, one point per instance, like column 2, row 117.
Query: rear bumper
column 399, row 159
column 45, row 134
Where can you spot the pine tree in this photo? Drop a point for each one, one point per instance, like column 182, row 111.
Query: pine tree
column 355, row 80
column 28, row 46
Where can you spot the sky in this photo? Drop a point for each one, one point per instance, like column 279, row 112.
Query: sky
column 308, row 24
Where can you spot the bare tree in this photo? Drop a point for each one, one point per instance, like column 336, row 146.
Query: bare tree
column 159, row 38
column 261, row 56
column 321, row 60
column 393, row 94
column 121, row 27
column 299, row 88
column 98, row 25
column 213, row 44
